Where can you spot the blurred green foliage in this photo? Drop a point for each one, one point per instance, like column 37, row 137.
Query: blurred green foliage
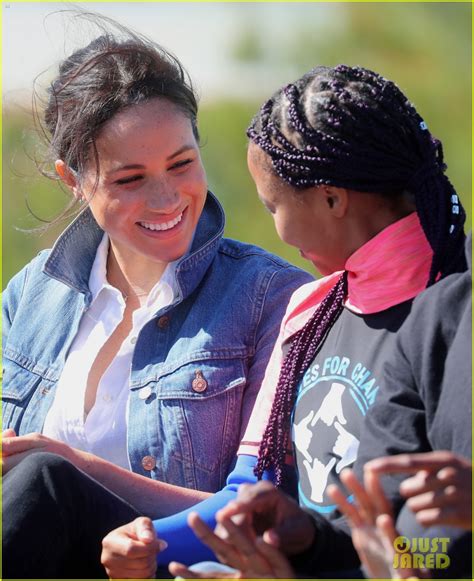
column 424, row 47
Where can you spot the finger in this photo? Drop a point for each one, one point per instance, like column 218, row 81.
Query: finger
column 273, row 538
column 118, row 562
column 226, row 553
column 144, row 529
column 413, row 462
column 123, row 547
column 388, row 532
column 180, row 570
column 9, row 462
column 255, row 498
column 280, row 566
column 245, row 545
column 8, row 433
column 339, row 428
column 18, row 444
column 433, row 499
column 432, row 516
column 348, row 509
column 374, row 488
column 423, row 481
column 386, row 526
column 451, row 474
column 365, row 505
column 449, row 515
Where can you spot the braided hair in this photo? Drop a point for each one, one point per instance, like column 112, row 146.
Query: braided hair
column 351, row 128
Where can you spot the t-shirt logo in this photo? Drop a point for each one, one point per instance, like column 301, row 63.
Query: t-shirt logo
column 326, row 425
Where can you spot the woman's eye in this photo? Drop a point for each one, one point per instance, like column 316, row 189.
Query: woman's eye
column 128, row 180
column 181, row 163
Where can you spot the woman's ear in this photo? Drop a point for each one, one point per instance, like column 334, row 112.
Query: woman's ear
column 337, row 200
column 69, row 178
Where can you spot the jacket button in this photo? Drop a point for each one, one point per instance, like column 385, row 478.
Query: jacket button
column 199, row 384
column 148, row 462
column 163, row 322
column 144, row 392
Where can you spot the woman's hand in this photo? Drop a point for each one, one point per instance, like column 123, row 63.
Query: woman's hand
column 372, row 526
column 235, row 544
column 129, row 552
column 15, row 448
column 270, row 510
column 253, row 532
column 439, row 492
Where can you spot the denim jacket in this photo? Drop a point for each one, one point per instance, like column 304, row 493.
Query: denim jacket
column 197, row 366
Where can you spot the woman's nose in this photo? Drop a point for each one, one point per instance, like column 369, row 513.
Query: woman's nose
column 162, row 196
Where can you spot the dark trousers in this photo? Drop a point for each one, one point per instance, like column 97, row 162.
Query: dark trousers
column 54, row 520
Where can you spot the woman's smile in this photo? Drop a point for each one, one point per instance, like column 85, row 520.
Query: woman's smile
column 164, row 228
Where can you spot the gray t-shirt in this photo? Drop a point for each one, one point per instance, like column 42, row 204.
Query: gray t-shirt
column 334, row 396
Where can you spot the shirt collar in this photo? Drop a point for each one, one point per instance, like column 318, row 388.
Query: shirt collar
column 71, row 259
column 165, row 288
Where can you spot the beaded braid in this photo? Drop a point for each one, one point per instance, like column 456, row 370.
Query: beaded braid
column 303, row 349
column 349, row 127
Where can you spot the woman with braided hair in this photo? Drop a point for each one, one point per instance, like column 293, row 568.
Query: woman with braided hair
column 355, row 180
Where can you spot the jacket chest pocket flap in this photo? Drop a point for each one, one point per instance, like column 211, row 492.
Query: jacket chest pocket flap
column 23, row 390
column 18, row 383
column 203, row 379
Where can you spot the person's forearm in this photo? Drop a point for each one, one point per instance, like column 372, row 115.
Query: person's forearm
column 183, row 545
column 153, row 498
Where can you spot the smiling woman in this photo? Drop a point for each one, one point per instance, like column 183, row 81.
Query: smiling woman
column 150, row 191
column 133, row 350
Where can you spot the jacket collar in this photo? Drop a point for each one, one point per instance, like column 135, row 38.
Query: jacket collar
column 73, row 254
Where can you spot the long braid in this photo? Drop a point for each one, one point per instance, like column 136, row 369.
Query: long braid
column 349, row 127
column 304, row 347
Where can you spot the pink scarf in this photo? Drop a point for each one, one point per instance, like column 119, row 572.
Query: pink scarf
column 389, row 269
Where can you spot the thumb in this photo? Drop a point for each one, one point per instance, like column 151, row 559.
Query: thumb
column 144, row 530
column 8, row 433
column 338, row 427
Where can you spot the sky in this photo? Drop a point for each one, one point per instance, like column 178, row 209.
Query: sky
column 202, row 35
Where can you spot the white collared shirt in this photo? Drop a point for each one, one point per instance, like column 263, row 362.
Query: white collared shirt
column 104, row 431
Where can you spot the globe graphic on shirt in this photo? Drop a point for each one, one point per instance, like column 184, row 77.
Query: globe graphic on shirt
column 327, row 420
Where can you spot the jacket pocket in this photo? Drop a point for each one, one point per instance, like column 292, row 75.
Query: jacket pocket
column 19, row 386
column 197, row 415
